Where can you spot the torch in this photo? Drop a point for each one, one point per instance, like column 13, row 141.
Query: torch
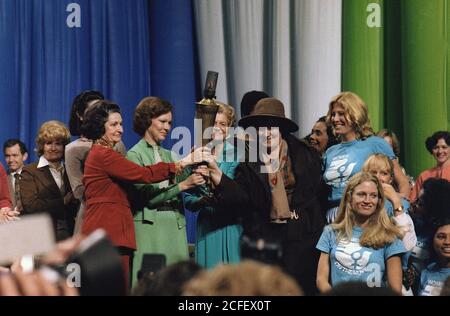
column 206, row 110
column 205, row 117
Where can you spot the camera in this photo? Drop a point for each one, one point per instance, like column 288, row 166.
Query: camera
column 94, row 267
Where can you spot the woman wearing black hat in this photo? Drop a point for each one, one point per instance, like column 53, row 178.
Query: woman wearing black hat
column 276, row 196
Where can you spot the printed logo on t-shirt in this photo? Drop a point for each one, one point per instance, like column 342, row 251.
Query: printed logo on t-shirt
column 353, row 260
column 350, row 256
column 338, row 172
column 432, row 288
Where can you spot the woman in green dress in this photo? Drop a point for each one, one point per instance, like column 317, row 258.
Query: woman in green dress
column 158, row 216
column 218, row 232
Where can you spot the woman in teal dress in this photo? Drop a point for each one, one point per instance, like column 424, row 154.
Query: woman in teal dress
column 160, row 225
column 218, row 232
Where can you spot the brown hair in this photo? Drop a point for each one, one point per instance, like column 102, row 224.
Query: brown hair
column 248, row 278
column 395, row 142
column 148, row 109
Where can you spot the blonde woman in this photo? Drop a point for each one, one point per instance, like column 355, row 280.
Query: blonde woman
column 362, row 244
column 218, row 232
column 45, row 186
column 396, row 206
column 349, row 117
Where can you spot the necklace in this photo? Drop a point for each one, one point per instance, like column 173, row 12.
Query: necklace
column 103, row 142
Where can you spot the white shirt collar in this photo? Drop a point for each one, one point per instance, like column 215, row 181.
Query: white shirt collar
column 42, row 162
column 17, row 171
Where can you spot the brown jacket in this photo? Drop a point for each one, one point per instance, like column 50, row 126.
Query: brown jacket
column 40, row 193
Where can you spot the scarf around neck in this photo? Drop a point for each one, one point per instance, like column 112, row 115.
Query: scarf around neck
column 281, row 183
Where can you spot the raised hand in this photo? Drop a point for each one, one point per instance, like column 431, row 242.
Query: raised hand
column 8, row 215
column 214, row 169
column 203, row 171
column 209, row 158
column 192, row 181
column 391, row 195
column 194, row 157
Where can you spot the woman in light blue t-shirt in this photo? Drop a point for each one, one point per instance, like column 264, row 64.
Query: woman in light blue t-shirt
column 349, row 117
column 362, row 244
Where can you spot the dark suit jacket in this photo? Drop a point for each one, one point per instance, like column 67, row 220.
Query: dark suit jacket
column 249, row 196
column 40, row 193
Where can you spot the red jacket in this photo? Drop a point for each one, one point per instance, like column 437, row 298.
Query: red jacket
column 5, row 197
column 107, row 204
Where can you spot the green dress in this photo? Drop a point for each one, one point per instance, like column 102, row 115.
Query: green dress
column 160, row 225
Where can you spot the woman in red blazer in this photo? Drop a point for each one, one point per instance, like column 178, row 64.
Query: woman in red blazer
column 6, row 212
column 106, row 172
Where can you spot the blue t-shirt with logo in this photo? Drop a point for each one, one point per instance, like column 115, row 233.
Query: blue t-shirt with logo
column 432, row 280
column 343, row 160
column 349, row 261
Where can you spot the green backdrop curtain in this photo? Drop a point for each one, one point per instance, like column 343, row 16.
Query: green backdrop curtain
column 425, row 42
column 362, row 57
column 401, row 69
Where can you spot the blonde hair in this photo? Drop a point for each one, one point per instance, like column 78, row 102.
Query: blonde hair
column 356, row 113
column 380, row 230
column 229, row 112
column 248, row 278
column 379, row 161
column 51, row 131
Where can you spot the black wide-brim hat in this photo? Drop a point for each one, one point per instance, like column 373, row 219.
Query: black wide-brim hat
column 269, row 112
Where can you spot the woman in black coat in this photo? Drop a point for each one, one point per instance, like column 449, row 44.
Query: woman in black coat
column 279, row 205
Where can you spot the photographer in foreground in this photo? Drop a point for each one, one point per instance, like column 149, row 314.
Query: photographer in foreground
column 82, row 265
column 41, row 282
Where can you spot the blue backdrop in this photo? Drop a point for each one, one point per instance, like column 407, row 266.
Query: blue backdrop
column 126, row 49
column 173, row 67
